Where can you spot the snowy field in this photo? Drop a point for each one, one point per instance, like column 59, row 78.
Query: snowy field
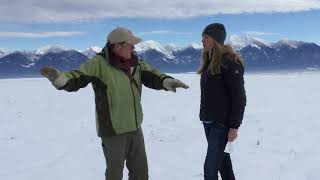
column 47, row 134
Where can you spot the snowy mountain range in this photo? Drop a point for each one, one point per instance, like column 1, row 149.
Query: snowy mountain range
column 258, row 54
column 239, row 42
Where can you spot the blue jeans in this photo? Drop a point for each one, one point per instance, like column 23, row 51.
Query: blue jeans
column 216, row 158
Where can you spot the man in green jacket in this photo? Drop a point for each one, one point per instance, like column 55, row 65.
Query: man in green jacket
column 117, row 75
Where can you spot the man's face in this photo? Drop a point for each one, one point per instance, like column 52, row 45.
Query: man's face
column 124, row 50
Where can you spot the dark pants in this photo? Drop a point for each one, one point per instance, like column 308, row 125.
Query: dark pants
column 216, row 158
column 127, row 147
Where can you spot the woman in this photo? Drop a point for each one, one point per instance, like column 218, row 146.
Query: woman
column 223, row 100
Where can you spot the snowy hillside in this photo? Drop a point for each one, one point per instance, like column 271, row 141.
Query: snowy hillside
column 50, row 134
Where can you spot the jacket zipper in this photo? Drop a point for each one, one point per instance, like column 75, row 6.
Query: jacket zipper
column 134, row 101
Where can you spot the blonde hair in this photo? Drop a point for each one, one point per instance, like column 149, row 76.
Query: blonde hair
column 216, row 54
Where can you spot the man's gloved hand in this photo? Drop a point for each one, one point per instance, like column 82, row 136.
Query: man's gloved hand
column 50, row 73
column 171, row 84
column 54, row 76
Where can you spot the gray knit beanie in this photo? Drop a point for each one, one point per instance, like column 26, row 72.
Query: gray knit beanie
column 216, row 31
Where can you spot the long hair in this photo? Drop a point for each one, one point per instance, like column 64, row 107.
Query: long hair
column 216, row 54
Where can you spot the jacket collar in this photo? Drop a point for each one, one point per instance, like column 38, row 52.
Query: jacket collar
column 117, row 61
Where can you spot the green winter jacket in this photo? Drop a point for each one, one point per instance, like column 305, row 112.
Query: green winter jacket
column 117, row 95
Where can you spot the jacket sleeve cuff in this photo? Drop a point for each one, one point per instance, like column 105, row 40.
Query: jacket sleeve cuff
column 60, row 82
column 163, row 80
column 234, row 125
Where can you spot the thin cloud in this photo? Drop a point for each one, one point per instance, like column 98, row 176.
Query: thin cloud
column 31, row 11
column 39, row 34
column 257, row 33
column 163, row 32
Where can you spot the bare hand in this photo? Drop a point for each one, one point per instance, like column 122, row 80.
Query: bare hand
column 232, row 134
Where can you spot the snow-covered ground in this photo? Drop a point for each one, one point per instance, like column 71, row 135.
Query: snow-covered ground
column 47, row 134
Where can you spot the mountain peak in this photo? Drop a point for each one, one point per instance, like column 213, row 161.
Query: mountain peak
column 288, row 42
column 239, row 42
column 195, row 45
column 91, row 51
column 53, row 48
column 3, row 52
column 150, row 44
column 93, row 48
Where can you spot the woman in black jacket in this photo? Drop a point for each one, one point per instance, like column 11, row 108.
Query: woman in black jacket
column 223, row 100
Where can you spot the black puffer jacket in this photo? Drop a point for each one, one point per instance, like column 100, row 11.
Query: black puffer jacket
column 223, row 97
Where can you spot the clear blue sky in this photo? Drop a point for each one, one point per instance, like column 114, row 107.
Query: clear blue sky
column 82, row 25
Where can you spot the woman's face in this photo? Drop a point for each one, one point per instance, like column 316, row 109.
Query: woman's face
column 207, row 42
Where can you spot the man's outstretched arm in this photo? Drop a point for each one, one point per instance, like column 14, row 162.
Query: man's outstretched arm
column 72, row 80
column 153, row 78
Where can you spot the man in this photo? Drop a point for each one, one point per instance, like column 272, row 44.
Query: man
column 117, row 75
